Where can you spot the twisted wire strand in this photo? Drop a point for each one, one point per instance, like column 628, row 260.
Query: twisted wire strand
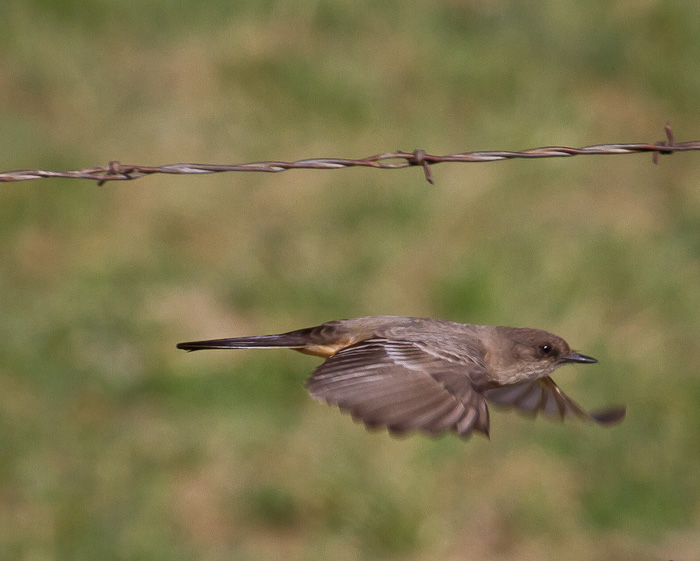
column 117, row 171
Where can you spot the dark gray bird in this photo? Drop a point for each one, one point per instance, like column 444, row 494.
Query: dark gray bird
column 428, row 375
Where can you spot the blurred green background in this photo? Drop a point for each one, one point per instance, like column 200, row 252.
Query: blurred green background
column 114, row 445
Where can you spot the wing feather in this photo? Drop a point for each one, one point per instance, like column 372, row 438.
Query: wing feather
column 400, row 386
column 544, row 396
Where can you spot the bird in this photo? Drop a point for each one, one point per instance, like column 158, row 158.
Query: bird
column 410, row 374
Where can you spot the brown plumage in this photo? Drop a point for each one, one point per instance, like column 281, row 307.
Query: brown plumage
column 428, row 375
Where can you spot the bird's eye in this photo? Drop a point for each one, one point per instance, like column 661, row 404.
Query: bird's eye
column 546, row 349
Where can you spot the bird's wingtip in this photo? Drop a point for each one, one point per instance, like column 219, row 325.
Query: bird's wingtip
column 610, row 416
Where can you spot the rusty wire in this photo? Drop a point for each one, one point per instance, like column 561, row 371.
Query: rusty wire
column 117, row 171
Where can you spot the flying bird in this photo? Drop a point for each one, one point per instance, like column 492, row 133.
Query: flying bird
column 429, row 375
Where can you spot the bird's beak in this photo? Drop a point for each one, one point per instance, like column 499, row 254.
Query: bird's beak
column 576, row 357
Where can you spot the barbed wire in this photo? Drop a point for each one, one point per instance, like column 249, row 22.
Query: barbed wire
column 117, row 171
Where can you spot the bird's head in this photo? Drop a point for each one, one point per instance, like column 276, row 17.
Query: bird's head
column 526, row 354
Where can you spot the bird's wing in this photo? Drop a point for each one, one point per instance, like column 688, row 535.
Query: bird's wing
column 543, row 395
column 401, row 386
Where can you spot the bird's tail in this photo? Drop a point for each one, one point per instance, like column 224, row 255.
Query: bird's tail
column 292, row 340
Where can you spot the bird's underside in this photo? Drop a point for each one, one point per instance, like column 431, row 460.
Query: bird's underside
column 412, row 385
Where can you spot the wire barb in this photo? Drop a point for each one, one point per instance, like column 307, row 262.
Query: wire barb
column 117, row 171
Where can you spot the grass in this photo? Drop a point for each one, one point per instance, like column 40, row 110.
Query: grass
column 117, row 446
